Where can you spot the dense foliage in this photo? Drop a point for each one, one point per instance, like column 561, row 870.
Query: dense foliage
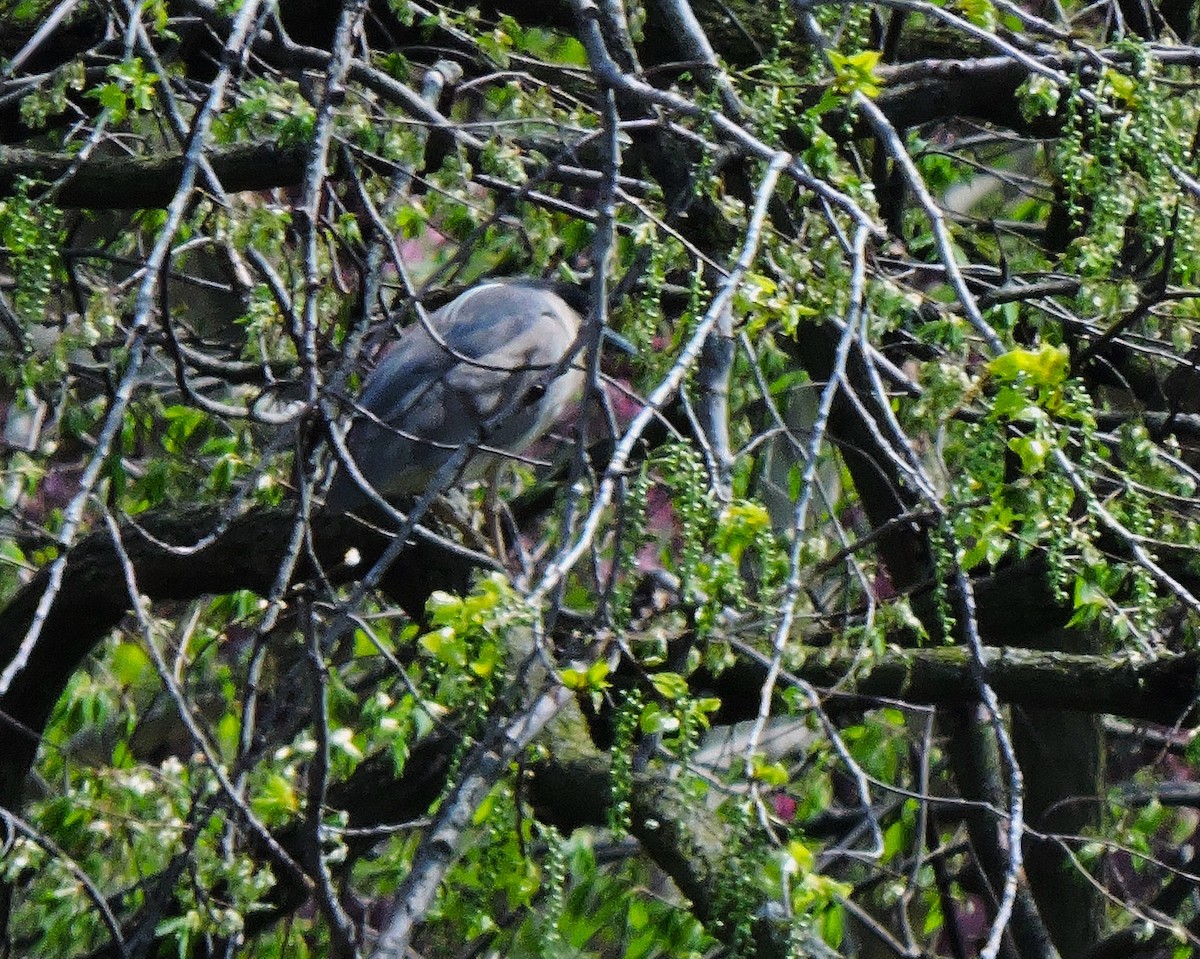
column 854, row 614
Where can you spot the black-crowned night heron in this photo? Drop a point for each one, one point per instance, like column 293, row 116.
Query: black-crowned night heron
column 492, row 371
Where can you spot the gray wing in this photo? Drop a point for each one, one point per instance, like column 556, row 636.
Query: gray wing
column 481, row 373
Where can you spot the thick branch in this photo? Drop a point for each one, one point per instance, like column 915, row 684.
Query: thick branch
column 124, row 183
column 984, row 88
column 693, row 849
column 246, row 554
column 1160, row 690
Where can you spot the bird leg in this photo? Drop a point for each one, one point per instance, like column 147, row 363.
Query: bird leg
column 491, row 510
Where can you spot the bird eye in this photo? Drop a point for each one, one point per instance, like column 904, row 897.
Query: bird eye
column 535, row 393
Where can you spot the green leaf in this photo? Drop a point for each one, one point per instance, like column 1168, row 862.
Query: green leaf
column 800, row 858
column 484, row 809
column 856, row 72
column 654, row 721
column 1032, row 451
column 276, row 800
column 1046, row 366
column 445, row 646
column 112, row 97
column 982, row 13
column 1120, row 86
column 1014, row 405
column 229, row 729
column 594, row 677
column 1089, row 594
column 486, row 660
column 772, row 774
column 894, row 840
column 443, row 607
column 131, row 665
column 670, row 686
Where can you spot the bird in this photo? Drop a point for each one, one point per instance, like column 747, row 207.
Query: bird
column 492, row 370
